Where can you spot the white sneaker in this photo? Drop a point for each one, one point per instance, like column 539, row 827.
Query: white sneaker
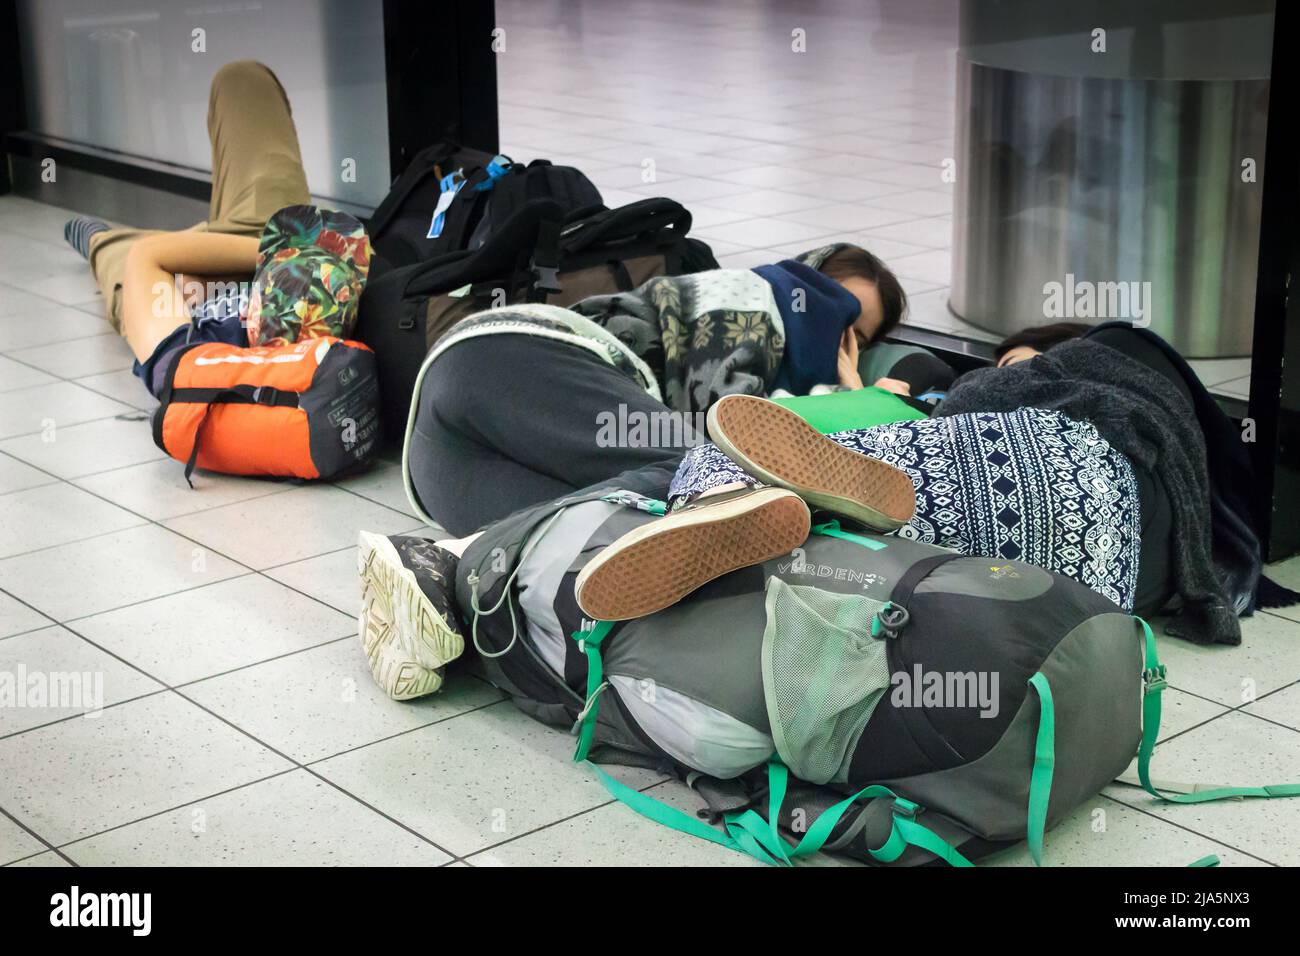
column 407, row 621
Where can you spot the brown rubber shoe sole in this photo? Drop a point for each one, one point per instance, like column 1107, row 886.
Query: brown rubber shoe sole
column 779, row 448
column 657, row 564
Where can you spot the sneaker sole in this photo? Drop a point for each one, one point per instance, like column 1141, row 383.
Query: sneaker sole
column 404, row 638
column 779, row 448
column 662, row 561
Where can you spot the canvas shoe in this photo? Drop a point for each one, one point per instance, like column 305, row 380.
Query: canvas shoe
column 779, row 448
column 408, row 624
column 658, row 563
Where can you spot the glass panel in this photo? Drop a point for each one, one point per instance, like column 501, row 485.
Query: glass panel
column 125, row 75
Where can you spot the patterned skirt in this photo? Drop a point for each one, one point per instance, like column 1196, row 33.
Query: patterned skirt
column 1029, row 485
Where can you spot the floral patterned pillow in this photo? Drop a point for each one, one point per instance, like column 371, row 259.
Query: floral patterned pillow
column 311, row 267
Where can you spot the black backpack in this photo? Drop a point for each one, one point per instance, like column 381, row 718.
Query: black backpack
column 533, row 256
column 476, row 190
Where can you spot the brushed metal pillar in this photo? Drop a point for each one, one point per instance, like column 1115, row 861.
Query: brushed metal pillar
column 1068, row 183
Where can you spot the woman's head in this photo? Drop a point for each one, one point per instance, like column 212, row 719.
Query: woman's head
column 1027, row 343
column 879, row 294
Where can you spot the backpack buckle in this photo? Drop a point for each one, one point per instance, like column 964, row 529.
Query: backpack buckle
column 1153, row 679
column 545, row 278
column 890, row 620
column 906, row 808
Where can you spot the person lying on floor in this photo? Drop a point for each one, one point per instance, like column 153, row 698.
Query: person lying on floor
column 796, row 327
column 1032, row 485
column 1192, row 468
column 621, row 382
column 148, row 278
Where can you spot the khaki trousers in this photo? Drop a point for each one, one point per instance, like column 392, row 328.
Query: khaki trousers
column 256, row 170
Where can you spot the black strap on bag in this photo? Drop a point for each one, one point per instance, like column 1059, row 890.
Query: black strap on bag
column 657, row 219
column 545, row 263
column 230, row 395
column 622, row 278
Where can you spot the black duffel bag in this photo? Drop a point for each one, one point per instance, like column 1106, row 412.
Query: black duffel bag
column 533, row 256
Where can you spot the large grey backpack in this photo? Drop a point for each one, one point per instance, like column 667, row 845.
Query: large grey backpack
column 868, row 695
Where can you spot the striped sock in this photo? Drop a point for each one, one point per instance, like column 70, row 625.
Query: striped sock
column 79, row 230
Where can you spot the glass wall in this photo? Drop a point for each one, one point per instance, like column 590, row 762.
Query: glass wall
column 133, row 76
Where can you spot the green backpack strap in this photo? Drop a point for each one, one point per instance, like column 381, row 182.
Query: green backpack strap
column 1153, row 681
column 746, row 831
column 589, row 641
column 831, row 529
column 1040, row 781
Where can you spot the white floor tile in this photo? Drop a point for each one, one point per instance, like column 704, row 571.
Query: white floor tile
column 323, row 701
column 614, row 835
column 933, row 266
column 934, row 232
column 769, row 202
column 49, row 858
column 382, row 484
column 762, row 233
column 331, row 578
column 16, row 375
column 1235, row 750
column 1282, row 707
column 46, row 323
column 122, row 385
column 40, row 408
column 1265, row 661
column 36, row 220
column 93, row 355
column 294, row 819
column 43, row 268
column 297, row 524
column 921, row 202
column 56, row 514
column 79, row 777
column 16, row 843
column 73, row 451
column 1105, row 833
column 158, row 489
column 209, row 630
column 16, row 475
column 113, row 570
column 65, row 676
column 475, row 780
column 16, row 617
column 690, row 191
column 15, row 301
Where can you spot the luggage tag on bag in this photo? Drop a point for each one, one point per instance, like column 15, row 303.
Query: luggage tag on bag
column 498, row 167
column 451, row 185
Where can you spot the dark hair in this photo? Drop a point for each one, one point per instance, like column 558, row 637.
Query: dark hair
column 1040, row 337
column 849, row 261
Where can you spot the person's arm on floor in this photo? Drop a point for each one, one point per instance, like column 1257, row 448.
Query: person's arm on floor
column 153, row 299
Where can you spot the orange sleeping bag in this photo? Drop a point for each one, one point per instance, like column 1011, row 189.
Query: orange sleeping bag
column 305, row 410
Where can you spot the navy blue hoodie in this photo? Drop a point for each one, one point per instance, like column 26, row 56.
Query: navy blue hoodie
column 812, row 335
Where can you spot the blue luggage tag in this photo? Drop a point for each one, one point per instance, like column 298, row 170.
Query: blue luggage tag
column 495, row 170
column 450, row 185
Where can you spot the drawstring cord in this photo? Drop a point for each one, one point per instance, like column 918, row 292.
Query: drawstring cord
column 473, row 580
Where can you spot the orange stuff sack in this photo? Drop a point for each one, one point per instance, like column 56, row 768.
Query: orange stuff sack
column 309, row 409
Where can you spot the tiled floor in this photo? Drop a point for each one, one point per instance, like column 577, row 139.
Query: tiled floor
column 239, row 723
column 774, row 151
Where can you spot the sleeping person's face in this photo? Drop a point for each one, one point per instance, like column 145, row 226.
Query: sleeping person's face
column 872, row 314
column 1021, row 353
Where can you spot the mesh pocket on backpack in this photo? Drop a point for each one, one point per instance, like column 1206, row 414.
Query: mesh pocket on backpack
column 823, row 674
